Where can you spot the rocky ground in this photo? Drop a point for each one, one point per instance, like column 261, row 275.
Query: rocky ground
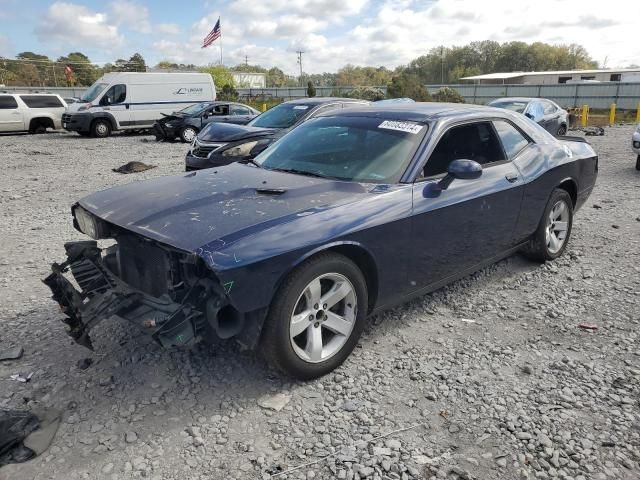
column 489, row 378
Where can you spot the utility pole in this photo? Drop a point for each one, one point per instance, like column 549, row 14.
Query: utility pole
column 246, row 60
column 442, row 65
column 300, row 52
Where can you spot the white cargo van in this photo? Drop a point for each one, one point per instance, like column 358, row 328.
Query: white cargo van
column 131, row 101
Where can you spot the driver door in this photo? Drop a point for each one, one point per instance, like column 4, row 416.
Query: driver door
column 114, row 101
column 472, row 221
column 218, row 113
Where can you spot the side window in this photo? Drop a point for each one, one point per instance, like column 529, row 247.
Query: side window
column 239, row 110
column 549, row 108
column 326, row 108
column 116, row 94
column 354, row 105
column 220, row 110
column 7, row 102
column 473, row 141
column 41, row 101
column 512, row 140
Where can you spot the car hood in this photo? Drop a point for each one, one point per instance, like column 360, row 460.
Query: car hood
column 229, row 132
column 218, row 206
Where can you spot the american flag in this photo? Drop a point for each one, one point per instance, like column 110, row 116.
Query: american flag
column 213, row 35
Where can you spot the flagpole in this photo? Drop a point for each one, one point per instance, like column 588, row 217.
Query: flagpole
column 219, row 20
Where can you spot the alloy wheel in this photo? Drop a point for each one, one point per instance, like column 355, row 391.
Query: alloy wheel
column 557, row 226
column 323, row 317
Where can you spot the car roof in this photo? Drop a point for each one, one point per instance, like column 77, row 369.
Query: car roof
column 517, row 99
column 323, row 100
column 419, row 111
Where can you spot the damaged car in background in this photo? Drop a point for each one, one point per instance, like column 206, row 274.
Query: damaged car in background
column 348, row 214
column 219, row 144
column 185, row 124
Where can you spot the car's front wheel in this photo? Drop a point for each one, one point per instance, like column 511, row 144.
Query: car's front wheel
column 552, row 235
column 187, row 134
column 100, row 128
column 562, row 130
column 316, row 317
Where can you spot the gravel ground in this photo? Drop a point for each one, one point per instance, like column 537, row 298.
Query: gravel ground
column 489, row 378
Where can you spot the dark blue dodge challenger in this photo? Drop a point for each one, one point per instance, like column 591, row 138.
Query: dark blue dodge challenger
column 346, row 215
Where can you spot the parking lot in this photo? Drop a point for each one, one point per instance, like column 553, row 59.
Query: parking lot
column 489, row 378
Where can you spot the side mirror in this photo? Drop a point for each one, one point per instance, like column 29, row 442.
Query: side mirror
column 528, row 115
column 205, row 115
column 461, row 170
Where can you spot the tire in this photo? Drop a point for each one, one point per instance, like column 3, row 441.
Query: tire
column 100, row 128
column 187, row 134
column 288, row 344
column 550, row 240
column 562, row 130
column 638, row 163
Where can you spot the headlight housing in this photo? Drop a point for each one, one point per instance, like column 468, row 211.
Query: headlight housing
column 242, row 150
column 89, row 224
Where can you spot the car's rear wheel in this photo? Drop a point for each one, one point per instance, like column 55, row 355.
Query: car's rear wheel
column 638, row 163
column 551, row 238
column 101, row 128
column 187, row 134
column 562, row 130
column 316, row 317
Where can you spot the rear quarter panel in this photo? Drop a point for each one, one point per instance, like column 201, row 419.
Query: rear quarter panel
column 547, row 166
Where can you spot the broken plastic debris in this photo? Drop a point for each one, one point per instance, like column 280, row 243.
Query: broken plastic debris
column 20, row 378
column 468, row 320
column 588, row 326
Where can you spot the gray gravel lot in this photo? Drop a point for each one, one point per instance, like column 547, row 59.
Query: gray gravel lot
column 491, row 377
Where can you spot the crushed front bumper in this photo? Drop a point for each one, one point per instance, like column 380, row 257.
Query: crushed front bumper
column 164, row 132
column 102, row 294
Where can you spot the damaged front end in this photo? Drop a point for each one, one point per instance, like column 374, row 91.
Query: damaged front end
column 168, row 293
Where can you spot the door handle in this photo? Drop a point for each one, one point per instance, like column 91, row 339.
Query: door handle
column 511, row 177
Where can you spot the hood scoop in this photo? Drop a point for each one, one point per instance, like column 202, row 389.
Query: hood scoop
column 270, row 191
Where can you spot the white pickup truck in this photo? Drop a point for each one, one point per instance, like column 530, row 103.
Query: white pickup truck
column 31, row 112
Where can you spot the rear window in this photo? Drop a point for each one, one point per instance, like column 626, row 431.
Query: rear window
column 7, row 102
column 41, row 101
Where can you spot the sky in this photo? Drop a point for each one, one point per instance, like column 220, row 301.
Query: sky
column 331, row 33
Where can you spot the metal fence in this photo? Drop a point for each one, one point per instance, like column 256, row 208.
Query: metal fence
column 597, row 95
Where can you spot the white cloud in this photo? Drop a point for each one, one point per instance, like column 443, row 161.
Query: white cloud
column 76, row 26
column 131, row 14
column 5, row 46
column 167, row 28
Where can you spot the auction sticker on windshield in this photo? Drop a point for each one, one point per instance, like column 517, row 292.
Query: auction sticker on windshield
column 401, row 126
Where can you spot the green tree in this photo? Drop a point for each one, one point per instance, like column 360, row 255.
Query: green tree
column 228, row 93
column 276, row 77
column 136, row 63
column 84, row 72
column 448, row 95
column 311, row 89
column 407, row 85
column 221, row 75
column 366, row 93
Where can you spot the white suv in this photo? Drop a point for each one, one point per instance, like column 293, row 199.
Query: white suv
column 32, row 112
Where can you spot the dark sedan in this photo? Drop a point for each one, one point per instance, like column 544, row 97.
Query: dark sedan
column 549, row 115
column 222, row 144
column 188, row 122
column 346, row 215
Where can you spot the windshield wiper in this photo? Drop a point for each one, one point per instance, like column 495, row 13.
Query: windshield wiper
column 251, row 161
column 305, row 172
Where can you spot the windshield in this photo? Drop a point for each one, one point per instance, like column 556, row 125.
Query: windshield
column 280, row 116
column 361, row 149
column 196, row 109
column 93, row 92
column 516, row 106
